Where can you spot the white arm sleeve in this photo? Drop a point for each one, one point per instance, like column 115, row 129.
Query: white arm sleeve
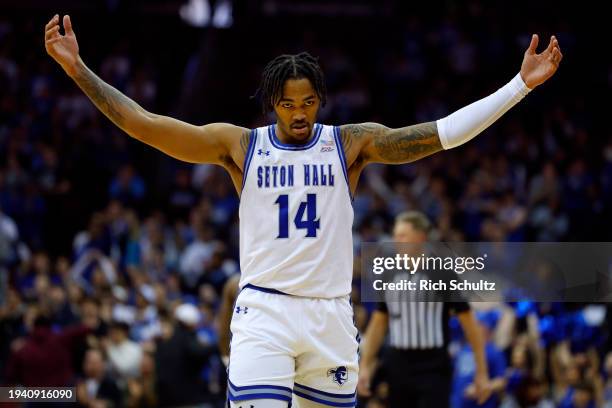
column 462, row 125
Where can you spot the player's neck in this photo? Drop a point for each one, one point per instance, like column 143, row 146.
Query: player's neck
column 288, row 140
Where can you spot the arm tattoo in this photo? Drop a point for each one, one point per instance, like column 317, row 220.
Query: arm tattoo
column 407, row 144
column 354, row 133
column 393, row 146
column 107, row 99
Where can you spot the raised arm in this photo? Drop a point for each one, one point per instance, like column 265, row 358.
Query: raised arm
column 217, row 143
column 373, row 143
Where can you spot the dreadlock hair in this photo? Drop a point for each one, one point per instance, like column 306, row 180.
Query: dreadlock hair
column 284, row 67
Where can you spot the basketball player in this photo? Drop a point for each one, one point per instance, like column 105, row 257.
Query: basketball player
column 292, row 325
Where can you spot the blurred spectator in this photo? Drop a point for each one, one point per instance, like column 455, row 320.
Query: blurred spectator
column 11, row 317
column 578, row 195
column 141, row 390
column 582, row 395
column 531, row 393
column 512, row 217
column 549, row 221
column 127, row 187
column 97, row 389
column 196, row 255
column 93, row 271
column 179, row 359
column 145, row 325
column 544, row 186
column 43, row 358
column 8, row 240
column 61, row 312
column 95, row 237
column 183, row 197
column 124, row 355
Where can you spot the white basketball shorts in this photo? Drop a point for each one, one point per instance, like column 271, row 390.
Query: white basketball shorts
column 284, row 344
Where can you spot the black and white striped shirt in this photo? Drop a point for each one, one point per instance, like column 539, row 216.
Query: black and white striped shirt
column 418, row 320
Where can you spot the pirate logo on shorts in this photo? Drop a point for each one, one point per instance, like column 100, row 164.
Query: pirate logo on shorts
column 339, row 375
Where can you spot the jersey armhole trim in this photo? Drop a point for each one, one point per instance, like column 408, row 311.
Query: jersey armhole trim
column 342, row 159
column 248, row 156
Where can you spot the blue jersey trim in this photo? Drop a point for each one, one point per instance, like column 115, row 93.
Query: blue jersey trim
column 284, row 146
column 266, row 290
column 342, row 158
column 248, row 156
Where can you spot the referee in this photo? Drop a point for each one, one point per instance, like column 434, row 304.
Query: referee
column 417, row 365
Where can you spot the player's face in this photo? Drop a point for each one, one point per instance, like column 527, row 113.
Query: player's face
column 296, row 111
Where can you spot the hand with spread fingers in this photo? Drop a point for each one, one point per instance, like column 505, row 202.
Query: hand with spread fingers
column 63, row 48
column 537, row 68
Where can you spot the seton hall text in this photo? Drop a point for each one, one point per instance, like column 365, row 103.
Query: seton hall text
column 283, row 175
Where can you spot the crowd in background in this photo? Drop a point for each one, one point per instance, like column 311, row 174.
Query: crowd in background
column 113, row 257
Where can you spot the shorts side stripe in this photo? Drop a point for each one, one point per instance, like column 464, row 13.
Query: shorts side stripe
column 320, row 400
column 323, row 393
column 253, row 387
column 258, row 392
column 264, row 395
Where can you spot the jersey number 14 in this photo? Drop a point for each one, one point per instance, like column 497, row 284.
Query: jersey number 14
column 308, row 208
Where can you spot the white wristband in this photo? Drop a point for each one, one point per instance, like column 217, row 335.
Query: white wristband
column 462, row 125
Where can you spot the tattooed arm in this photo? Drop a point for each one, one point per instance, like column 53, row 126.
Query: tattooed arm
column 374, row 143
column 212, row 143
column 217, row 143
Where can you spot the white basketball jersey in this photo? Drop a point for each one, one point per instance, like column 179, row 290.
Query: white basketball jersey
column 296, row 215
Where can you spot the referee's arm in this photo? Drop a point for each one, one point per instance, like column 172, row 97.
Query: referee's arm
column 370, row 345
column 474, row 336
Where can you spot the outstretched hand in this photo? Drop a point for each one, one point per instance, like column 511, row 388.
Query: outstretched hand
column 63, row 48
column 537, row 68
